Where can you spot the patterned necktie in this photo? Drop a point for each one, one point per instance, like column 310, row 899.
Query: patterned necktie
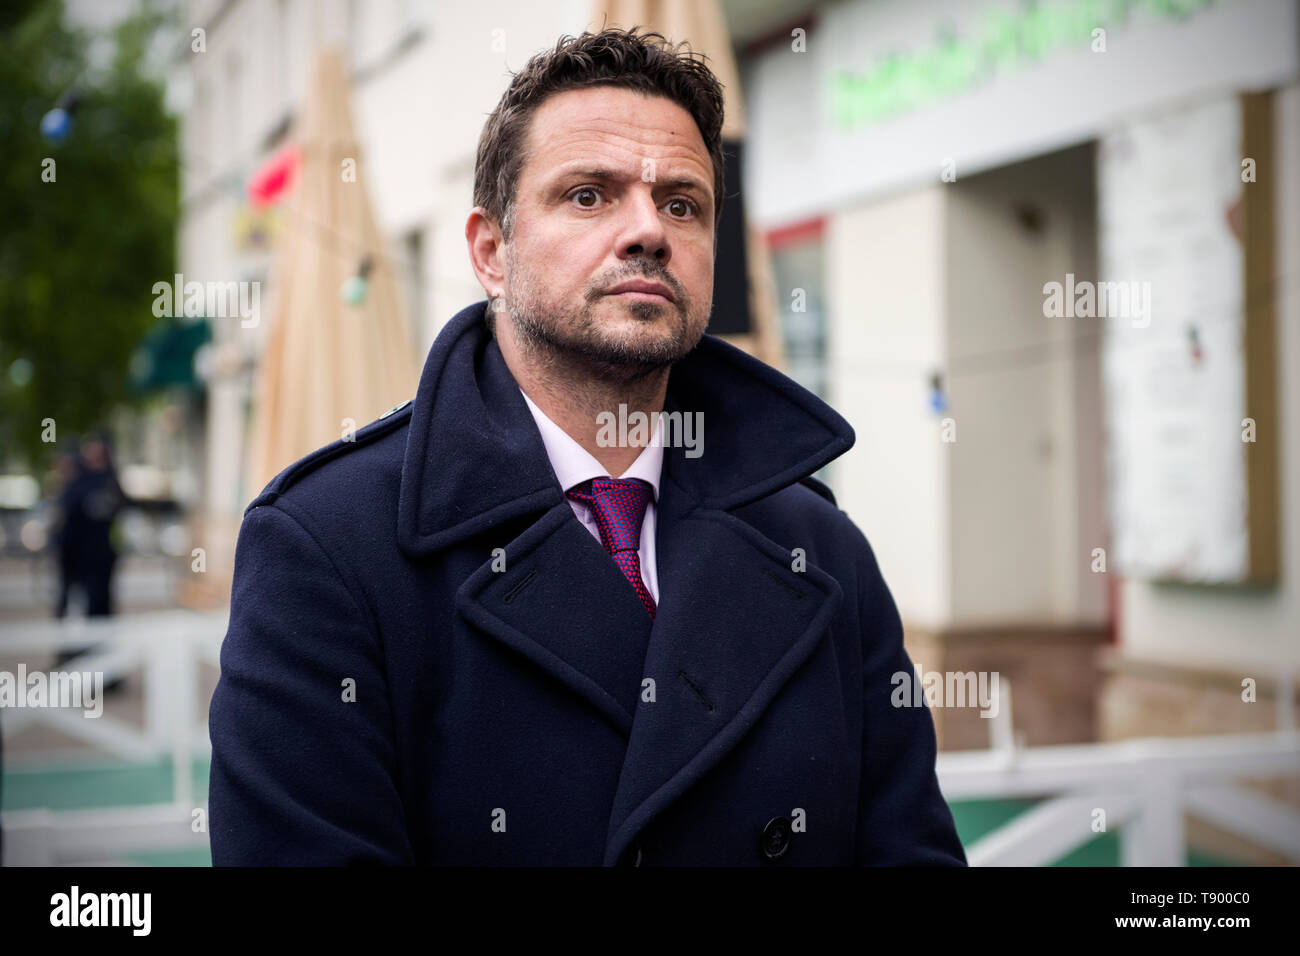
column 618, row 505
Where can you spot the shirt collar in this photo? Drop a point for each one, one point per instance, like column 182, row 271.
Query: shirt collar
column 573, row 464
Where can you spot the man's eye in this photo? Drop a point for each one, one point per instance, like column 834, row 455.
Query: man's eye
column 578, row 196
column 683, row 208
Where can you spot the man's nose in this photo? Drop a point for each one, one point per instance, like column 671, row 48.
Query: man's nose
column 643, row 232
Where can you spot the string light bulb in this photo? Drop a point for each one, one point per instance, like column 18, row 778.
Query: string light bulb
column 355, row 287
column 57, row 123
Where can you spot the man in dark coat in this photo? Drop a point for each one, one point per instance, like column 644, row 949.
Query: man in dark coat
column 504, row 625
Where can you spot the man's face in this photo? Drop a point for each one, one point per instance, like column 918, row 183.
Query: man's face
column 617, row 188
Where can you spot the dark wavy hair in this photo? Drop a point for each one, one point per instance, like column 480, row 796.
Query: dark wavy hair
column 645, row 62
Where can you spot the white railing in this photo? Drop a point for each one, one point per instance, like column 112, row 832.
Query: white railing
column 168, row 647
column 1144, row 786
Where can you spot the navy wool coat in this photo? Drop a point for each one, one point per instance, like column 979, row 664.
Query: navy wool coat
column 396, row 690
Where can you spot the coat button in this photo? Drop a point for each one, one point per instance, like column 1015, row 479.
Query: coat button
column 775, row 841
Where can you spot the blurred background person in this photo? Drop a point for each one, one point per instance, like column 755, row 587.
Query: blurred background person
column 92, row 502
column 88, row 505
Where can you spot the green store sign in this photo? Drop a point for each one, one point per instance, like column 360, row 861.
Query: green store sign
column 1004, row 41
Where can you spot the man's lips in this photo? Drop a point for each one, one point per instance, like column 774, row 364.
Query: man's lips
column 643, row 287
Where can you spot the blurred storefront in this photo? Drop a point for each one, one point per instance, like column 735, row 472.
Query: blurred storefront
column 1070, row 500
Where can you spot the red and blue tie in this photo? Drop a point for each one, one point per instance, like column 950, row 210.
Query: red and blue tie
column 618, row 505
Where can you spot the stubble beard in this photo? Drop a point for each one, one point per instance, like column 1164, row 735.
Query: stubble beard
column 575, row 343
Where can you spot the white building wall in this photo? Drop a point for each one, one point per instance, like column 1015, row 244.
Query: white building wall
column 1241, row 627
column 886, row 308
column 995, row 528
column 884, row 263
column 1024, row 397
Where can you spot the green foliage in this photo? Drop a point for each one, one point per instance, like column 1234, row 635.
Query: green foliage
column 78, row 256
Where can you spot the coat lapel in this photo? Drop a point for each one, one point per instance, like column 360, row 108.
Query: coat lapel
column 565, row 605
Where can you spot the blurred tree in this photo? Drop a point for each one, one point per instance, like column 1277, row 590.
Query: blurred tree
column 78, row 254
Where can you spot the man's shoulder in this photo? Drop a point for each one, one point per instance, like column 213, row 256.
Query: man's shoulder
column 809, row 496
column 350, row 464
column 808, row 510
column 808, row 504
column 820, row 487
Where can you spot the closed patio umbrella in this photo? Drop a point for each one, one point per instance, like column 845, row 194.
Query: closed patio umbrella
column 335, row 357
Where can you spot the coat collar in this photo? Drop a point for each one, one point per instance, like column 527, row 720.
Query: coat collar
column 474, row 457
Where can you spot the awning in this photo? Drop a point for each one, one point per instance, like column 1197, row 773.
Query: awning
column 165, row 357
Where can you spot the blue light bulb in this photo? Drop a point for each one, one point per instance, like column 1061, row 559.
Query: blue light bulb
column 56, row 124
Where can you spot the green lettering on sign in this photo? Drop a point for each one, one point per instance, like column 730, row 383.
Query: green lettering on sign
column 1006, row 40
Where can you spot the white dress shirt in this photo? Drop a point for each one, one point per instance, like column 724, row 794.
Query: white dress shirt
column 573, row 465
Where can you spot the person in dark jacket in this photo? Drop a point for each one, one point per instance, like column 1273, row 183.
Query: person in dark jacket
column 524, row 619
column 88, row 505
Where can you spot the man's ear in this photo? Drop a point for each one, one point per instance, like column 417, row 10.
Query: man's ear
column 486, row 251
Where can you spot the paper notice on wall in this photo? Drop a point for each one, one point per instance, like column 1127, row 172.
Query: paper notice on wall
column 1174, row 378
